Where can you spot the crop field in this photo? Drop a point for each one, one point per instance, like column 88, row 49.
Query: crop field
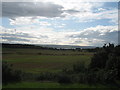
column 38, row 60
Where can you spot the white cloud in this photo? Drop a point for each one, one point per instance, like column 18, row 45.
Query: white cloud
column 101, row 9
column 41, row 35
column 28, row 21
column 112, row 15
column 23, row 21
column 29, row 12
column 97, row 35
column 26, row 15
column 44, row 23
column 35, row 1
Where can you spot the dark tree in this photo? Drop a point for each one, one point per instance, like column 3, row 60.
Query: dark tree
column 9, row 75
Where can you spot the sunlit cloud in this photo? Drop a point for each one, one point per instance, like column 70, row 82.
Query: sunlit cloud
column 59, row 22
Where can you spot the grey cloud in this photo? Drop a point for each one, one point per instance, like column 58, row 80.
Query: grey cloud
column 111, row 37
column 17, row 35
column 108, row 37
column 20, row 37
column 14, row 39
column 18, row 9
column 83, row 35
column 71, row 11
column 76, row 42
column 43, row 36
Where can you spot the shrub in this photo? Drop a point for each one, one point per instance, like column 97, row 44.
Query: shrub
column 99, row 60
column 67, row 71
column 82, row 78
column 9, row 75
column 46, row 76
column 107, row 64
column 29, row 76
column 64, row 79
column 79, row 67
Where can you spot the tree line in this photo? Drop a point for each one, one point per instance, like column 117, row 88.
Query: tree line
column 7, row 45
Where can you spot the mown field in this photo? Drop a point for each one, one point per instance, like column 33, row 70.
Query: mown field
column 38, row 60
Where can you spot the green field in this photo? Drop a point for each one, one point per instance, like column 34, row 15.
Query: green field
column 53, row 85
column 36, row 63
column 37, row 60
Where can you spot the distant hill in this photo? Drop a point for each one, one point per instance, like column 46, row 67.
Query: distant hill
column 45, row 46
column 68, row 46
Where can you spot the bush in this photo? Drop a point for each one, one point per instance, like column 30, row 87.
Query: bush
column 79, row 67
column 81, row 78
column 104, row 67
column 106, row 63
column 46, row 76
column 29, row 76
column 99, row 60
column 9, row 75
column 64, row 79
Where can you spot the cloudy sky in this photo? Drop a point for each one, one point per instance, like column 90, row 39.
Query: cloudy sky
column 60, row 22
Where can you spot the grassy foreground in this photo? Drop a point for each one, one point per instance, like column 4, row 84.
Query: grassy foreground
column 52, row 85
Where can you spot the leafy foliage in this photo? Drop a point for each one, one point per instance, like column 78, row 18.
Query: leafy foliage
column 46, row 76
column 9, row 75
column 104, row 67
column 107, row 63
column 64, row 78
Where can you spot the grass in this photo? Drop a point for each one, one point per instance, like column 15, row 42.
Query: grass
column 42, row 58
column 29, row 60
column 52, row 85
column 36, row 60
column 40, row 51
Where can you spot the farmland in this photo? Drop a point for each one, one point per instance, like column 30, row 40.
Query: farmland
column 38, row 60
column 53, row 85
column 39, row 67
column 35, row 61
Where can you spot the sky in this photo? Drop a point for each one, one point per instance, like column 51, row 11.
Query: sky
column 60, row 22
